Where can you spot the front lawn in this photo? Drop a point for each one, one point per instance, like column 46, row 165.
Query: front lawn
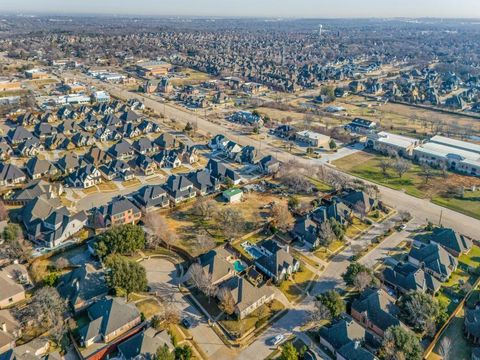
column 471, row 259
column 297, row 286
column 148, row 307
column 356, row 228
column 324, row 253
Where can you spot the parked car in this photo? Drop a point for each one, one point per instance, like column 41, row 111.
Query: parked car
column 186, row 323
column 277, row 339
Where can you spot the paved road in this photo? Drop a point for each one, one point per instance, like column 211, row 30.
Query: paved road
column 161, row 276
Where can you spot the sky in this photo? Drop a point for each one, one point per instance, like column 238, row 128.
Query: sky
column 253, row 8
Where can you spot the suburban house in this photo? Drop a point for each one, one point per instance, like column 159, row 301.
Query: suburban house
column 145, row 146
column 12, row 281
column 375, row 310
column 332, row 210
column 109, row 318
column 168, row 158
column 5, row 151
column 68, row 163
column 218, row 142
column 247, row 297
column 344, row 337
column 285, row 131
column 204, row 182
column 361, row 126
column 96, row 156
column 472, row 324
column 404, row 277
column 82, row 286
column 455, row 243
column 269, row 165
column 18, row 135
column 306, row 230
column 223, row 172
column 151, row 197
column 10, row 331
column 146, row 165
column 359, row 201
column 179, row 188
column 119, row 211
column 30, row 147
column 11, row 175
column 37, row 168
column 85, row 177
column 276, row 262
column 144, row 345
column 434, row 259
column 216, row 266
column 33, row 190
column 247, row 155
column 116, row 169
column 166, row 141
column 313, row 139
column 387, row 143
column 121, row 150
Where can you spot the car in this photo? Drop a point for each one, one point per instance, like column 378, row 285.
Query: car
column 186, row 323
column 277, row 339
column 309, row 355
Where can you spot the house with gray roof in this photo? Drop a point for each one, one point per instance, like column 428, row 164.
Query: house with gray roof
column 179, row 188
column 306, row 231
column 12, row 290
column 269, row 165
column 69, row 163
column 10, row 331
column 345, row 339
column 30, row 147
column 119, row 211
column 359, row 201
column 145, row 146
column 223, row 171
column 35, row 189
column 144, row 345
column 18, row 135
column 376, row 311
column 166, row 141
column 216, row 266
column 84, row 177
column 150, row 198
column 204, row 182
column 434, row 259
column 109, row 318
column 37, row 168
column 97, row 156
column 455, row 243
column 121, row 150
column 387, row 143
column 472, row 324
column 5, row 150
column 405, row 277
column 11, row 175
column 276, row 261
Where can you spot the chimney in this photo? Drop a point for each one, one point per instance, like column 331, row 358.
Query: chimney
column 4, row 327
column 357, row 344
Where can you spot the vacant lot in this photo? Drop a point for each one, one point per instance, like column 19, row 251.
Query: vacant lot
column 366, row 165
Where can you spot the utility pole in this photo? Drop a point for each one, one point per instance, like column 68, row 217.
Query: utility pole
column 440, row 220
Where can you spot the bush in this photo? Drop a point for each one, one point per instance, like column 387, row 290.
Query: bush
column 260, row 322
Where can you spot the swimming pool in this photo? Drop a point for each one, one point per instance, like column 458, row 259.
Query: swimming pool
column 239, row 267
column 252, row 250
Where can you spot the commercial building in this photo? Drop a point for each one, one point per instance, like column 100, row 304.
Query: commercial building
column 313, row 139
column 386, row 142
column 153, row 68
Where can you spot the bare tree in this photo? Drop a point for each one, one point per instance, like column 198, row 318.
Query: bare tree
column 158, row 232
column 384, row 165
column 401, row 166
column 205, row 207
column 319, row 313
column 446, row 348
column 281, row 217
column 359, row 209
column 227, row 303
column 231, row 221
column 3, row 211
column 326, row 233
column 169, row 314
column 61, row 263
column 196, row 275
column 363, row 280
column 203, row 242
column 427, row 172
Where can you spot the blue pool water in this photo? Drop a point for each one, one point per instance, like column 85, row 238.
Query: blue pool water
column 254, row 252
column 238, row 266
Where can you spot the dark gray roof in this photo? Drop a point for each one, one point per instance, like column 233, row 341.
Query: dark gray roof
column 278, row 260
column 450, row 239
column 145, row 343
column 342, row 332
column 118, row 206
column 410, row 278
column 151, row 195
column 435, row 258
column 9, row 172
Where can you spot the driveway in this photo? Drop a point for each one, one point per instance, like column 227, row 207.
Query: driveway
column 162, row 277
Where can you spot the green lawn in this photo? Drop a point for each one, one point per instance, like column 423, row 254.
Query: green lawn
column 324, row 253
column 356, row 228
column 320, row 185
column 471, row 259
column 295, row 287
column 469, row 205
column 148, row 307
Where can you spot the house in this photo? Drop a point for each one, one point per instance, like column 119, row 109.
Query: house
column 179, row 188
column 10, row 331
column 108, row 319
column 285, row 131
column 233, row 195
column 269, row 165
column 332, row 210
column 276, row 262
column 144, row 345
column 306, row 230
column 11, row 175
column 30, row 147
column 121, row 150
column 97, row 156
column 151, row 197
column 344, row 337
column 81, row 139
column 18, row 135
column 218, row 142
column 246, row 118
column 11, row 282
column 434, row 259
column 68, row 163
column 119, row 211
column 472, row 324
column 376, row 311
column 388, row 143
column 232, row 150
column 166, row 141
column 216, row 266
column 68, row 127
column 116, row 169
column 130, row 116
column 248, row 155
column 59, row 142
column 359, row 201
column 313, row 139
column 247, row 297
column 455, row 243
column 43, row 130
column 35, row 189
column 146, row 164
column 85, row 177
column 145, row 146
column 223, row 172
column 188, row 155
column 361, row 126
column 5, row 150
column 82, row 286
column 37, row 168
column 405, row 277
column 168, row 158
column 204, row 182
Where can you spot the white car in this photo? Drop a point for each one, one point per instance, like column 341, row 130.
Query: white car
column 277, row 340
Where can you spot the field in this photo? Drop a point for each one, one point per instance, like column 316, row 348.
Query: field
column 191, row 77
column 366, row 165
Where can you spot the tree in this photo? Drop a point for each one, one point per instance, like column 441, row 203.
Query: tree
column 352, row 271
column 3, row 211
column 183, row 352
column 231, row 221
column 281, row 217
column 293, row 202
column 421, row 310
column 363, row 280
column 188, row 127
column 326, row 234
column 204, row 207
column 169, row 315
column 164, row 353
column 123, row 239
column 384, row 165
column 14, row 246
column 338, row 229
column 427, row 172
column 401, row 166
column 227, row 303
column 399, row 343
column 124, row 275
column 289, row 352
column 320, row 312
column 332, row 144
column 157, row 322
column 333, row 302
column 45, row 311
column 203, row 242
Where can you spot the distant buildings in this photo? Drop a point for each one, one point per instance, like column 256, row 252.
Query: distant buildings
column 153, row 68
column 387, row 143
column 313, row 139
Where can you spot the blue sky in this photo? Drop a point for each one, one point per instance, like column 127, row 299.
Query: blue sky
column 260, row 8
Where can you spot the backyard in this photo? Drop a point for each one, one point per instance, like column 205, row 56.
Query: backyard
column 366, row 165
